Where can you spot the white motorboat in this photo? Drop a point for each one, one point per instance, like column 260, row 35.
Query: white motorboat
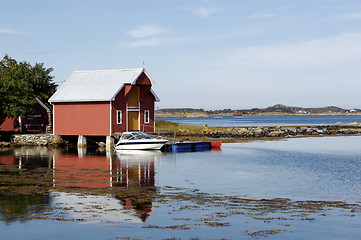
column 139, row 141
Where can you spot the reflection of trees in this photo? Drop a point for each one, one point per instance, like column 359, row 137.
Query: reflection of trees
column 18, row 207
column 26, row 177
column 33, row 158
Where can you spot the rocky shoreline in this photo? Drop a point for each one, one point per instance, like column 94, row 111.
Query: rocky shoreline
column 337, row 129
column 277, row 131
column 33, row 140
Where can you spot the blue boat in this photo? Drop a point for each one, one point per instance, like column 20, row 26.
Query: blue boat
column 191, row 146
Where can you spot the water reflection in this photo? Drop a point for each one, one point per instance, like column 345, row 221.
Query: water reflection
column 249, row 190
column 135, row 169
column 71, row 170
column 132, row 171
column 24, row 171
column 28, row 158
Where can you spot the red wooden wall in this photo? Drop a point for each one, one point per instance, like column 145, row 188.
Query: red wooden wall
column 90, row 119
column 146, row 103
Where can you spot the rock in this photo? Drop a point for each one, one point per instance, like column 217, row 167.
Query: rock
column 277, row 133
column 243, row 131
column 56, row 140
column 258, row 132
column 36, row 139
column 5, row 144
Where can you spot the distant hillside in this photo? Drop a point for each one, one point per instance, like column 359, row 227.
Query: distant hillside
column 290, row 109
column 275, row 109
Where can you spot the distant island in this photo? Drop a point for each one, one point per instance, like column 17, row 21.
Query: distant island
column 277, row 109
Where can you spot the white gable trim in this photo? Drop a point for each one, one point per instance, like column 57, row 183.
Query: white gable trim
column 42, row 104
column 134, row 83
column 155, row 95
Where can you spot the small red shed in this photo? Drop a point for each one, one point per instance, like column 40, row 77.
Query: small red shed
column 103, row 102
column 35, row 120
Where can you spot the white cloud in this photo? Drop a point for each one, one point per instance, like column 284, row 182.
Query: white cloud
column 269, row 12
column 143, row 43
column 351, row 16
column 155, row 41
column 15, row 32
column 262, row 15
column 205, row 12
column 148, row 35
column 318, row 72
column 336, row 51
column 147, row 31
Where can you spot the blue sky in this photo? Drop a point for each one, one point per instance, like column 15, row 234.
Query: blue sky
column 210, row 54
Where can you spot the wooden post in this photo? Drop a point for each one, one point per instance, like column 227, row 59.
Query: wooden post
column 81, row 152
column 81, row 141
column 109, row 142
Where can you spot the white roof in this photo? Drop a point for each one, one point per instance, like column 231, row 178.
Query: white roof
column 98, row 85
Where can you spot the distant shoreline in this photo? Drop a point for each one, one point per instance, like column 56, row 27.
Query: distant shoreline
column 277, row 109
column 191, row 115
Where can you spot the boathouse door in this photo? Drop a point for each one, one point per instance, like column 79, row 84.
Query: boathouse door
column 133, row 121
column 133, row 109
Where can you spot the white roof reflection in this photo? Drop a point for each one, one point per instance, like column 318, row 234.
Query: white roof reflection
column 93, row 209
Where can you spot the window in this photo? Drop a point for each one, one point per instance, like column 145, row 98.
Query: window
column 146, row 116
column 119, row 117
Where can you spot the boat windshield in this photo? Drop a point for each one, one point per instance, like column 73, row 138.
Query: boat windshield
column 136, row 135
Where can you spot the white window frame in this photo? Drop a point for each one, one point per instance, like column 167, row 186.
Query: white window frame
column 119, row 117
column 146, row 116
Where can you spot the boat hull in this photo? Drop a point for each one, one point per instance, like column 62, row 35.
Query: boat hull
column 216, row 144
column 140, row 145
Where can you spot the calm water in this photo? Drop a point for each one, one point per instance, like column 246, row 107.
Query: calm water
column 290, row 120
column 188, row 195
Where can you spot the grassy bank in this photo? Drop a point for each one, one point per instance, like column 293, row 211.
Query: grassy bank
column 166, row 126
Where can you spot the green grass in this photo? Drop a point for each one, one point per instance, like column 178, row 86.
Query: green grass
column 166, row 126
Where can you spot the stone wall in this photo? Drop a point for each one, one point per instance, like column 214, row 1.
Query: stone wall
column 259, row 132
column 36, row 140
column 278, row 131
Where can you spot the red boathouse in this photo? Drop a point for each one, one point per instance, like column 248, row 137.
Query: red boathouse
column 103, row 102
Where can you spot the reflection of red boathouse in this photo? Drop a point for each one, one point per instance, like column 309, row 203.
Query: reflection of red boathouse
column 7, row 160
column 100, row 171
column 74, row 171
column 135, row 172
column 95, row 171
column 130, row 172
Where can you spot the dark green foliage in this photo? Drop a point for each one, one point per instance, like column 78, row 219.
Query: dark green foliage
column 20, row 83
